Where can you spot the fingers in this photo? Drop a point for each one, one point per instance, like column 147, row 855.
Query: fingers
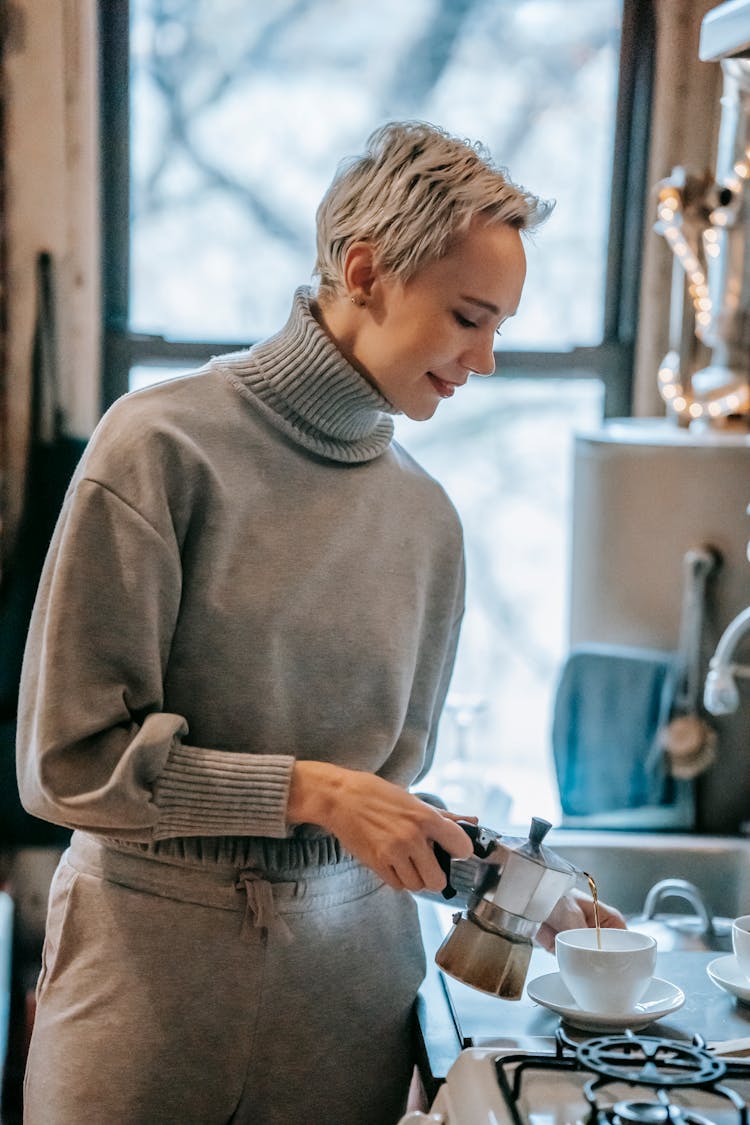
column 406, row 851
column 567, row 914
column 459, row 816
column 416, row 867
column 451, row 837
column 610, row 917
column 405, row 873
column 415, row 877
column 546, row 937
column 584, row 906
column 391, row 878
column 575, row 910
column 391, row 831
column 423, row 872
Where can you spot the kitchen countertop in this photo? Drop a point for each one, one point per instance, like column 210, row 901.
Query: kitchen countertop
column 472, row 1018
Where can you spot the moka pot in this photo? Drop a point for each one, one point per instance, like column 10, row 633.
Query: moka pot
column 510, row 886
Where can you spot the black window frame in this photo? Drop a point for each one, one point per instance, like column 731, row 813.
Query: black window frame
column 611, row 361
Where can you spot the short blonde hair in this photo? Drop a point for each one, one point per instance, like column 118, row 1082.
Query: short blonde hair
column 411, row 193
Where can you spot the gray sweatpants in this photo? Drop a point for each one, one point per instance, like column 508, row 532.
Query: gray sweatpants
column 271, row 986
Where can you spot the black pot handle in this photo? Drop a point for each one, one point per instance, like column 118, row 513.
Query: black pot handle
column 473, row 831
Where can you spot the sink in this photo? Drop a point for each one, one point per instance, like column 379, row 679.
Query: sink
column 626, row 865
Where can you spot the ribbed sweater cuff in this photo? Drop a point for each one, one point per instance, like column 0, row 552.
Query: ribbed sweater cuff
column 216, row 793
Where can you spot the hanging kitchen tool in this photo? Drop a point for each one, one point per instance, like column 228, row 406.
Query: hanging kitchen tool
column 687, row 740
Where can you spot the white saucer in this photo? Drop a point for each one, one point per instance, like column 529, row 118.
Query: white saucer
column 725, row 972
column 661, row 998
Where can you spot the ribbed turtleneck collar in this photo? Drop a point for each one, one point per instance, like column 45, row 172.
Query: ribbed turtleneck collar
column 303, row 385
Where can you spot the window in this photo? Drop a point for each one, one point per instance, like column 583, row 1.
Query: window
column 234, row 119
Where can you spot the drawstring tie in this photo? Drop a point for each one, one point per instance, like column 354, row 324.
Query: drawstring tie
column 260, row 908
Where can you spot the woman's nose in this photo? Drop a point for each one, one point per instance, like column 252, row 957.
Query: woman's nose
column 480, row 357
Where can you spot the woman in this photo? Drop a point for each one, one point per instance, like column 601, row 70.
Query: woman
column 241, row 646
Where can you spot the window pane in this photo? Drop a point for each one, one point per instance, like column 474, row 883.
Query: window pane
column 504, row 452
column 240, row 113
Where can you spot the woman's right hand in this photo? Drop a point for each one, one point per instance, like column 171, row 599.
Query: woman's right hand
column 385, row 827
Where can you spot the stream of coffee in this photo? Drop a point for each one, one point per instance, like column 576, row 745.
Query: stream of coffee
column 595, row 896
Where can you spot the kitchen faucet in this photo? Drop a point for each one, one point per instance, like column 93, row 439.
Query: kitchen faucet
column 721, row 695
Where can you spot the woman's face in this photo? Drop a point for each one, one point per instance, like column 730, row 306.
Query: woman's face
column 423, row 338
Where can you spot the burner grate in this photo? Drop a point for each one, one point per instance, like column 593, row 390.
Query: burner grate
column 659, row 1068
column 644, row 1060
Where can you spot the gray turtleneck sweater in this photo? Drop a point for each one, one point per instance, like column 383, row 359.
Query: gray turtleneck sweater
column 247, row 570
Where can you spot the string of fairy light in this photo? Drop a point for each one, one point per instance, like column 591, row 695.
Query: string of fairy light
column 681, row 399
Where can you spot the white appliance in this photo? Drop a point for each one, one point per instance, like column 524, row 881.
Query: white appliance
column 624, row 1079
column 646, row 492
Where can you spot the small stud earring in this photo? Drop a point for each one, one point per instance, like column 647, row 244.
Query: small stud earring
column 360, row 302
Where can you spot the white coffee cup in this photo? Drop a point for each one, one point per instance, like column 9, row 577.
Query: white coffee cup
column 608, row 980
column 741, row 943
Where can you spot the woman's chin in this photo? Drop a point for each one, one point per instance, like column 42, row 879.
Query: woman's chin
column 419, row 411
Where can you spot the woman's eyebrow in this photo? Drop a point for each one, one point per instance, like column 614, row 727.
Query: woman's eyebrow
column 482, row 304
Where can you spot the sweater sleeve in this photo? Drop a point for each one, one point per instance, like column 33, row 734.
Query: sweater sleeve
column 443, row 681
column 95, row 748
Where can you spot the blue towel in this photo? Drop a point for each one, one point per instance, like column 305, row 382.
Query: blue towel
column 610, row 705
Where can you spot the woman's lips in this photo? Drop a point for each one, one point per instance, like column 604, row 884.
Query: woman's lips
column 445, row 390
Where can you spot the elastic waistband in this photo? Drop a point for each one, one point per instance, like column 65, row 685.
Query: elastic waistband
column 291, row 853
column 294, row 889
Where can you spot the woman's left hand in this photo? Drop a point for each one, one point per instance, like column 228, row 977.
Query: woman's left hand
column 574, row 911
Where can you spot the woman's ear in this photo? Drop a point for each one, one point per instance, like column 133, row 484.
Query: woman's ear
column 360, row 271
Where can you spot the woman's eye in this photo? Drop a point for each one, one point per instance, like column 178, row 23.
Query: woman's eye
column 498, row 332
column 464, row 321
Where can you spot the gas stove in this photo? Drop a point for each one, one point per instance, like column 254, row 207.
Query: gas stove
column 621, row 1079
